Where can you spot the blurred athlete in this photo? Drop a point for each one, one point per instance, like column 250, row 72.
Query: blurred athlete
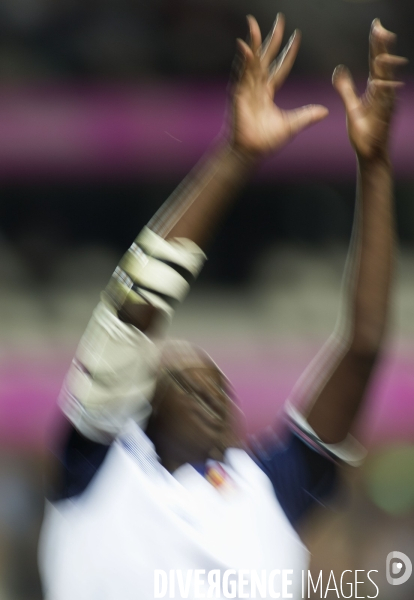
column 154, row 480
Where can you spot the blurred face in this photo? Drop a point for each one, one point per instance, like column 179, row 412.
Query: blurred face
column 193, row 416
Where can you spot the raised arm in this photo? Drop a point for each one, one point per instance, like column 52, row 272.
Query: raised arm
column 337, row 380
column 112, row 375
column 257, row 127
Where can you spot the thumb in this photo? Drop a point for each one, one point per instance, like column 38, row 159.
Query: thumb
column 305, row 116
column 344, row 85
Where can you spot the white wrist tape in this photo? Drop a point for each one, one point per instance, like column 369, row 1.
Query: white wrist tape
column 180, row 251
column 349, row 450
column 156, row 271
column 154, row 275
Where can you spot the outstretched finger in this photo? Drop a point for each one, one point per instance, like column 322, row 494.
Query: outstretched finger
column 304, row 117
column 284, row 63
column 386, row 85
column 386, row 64
column 245, row 51
column 255, row 35
column 241, row 64
column 274, row 40
column 380, row 42
column 344, row 85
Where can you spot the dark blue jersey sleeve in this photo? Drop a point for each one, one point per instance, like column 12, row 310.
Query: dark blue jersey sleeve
column 302, row 477
column 78, row 459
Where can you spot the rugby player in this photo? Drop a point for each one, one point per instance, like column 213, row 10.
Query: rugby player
column 154, row 476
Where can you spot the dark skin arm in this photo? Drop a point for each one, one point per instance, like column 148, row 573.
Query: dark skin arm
column 337, row 380
column 257, row 127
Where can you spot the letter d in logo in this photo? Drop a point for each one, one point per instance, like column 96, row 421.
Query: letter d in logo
column 394, row 568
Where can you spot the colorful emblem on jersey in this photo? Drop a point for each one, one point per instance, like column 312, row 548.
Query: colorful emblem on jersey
column 218, row 477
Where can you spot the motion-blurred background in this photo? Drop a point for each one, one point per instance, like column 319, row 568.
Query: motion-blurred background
column 104, row 106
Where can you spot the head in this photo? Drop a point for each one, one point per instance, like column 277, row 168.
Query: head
column 193, row 413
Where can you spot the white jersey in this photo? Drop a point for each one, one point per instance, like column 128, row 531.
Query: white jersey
column 136, row 520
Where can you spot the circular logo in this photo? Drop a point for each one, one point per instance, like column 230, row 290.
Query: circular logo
column 399, row 568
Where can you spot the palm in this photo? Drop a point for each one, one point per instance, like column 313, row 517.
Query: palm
column 367, row 131
column 262, row 127
column 259, row 126
column 369, row 116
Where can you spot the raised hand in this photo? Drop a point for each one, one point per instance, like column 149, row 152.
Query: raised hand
column 369, row 116
column 259, row 126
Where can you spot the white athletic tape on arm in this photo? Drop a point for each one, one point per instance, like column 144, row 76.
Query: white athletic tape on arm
column 181, row 251
column 156, row 271
column 152, row 299
column 112, row 377
column 119, row 289
column 349, row 451
column 156, row 276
